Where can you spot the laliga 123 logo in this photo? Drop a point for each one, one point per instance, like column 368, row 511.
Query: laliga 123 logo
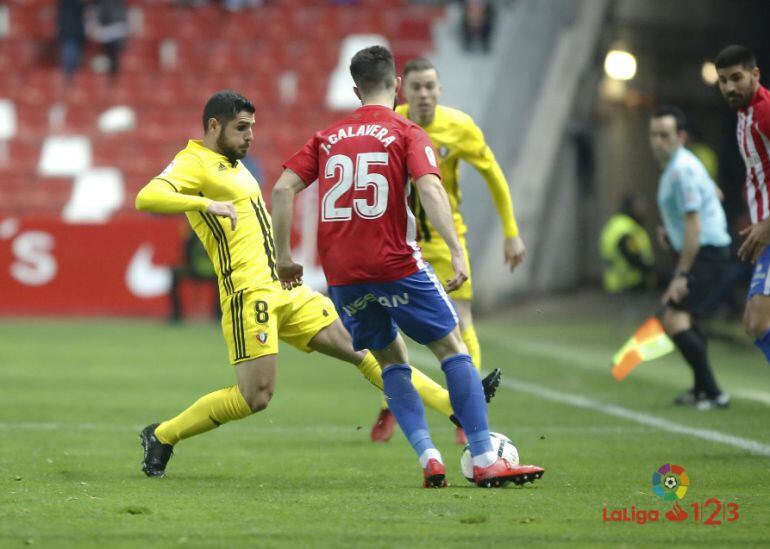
column 670, row 482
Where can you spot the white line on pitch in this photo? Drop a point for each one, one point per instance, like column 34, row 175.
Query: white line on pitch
column 588, row 359
column 424, row 359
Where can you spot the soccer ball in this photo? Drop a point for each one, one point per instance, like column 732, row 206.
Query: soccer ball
column 501, row 444
column 670, row 483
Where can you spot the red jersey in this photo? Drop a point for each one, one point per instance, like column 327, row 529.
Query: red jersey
column 363, row 165
column 754, row 144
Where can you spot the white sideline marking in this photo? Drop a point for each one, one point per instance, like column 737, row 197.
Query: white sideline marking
column 424, row 359
column 588, row 360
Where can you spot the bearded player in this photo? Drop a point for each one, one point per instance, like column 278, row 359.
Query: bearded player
column 739, row 84
column 208, row 182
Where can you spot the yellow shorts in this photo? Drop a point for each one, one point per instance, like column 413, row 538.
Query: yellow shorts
column 254, row 320
column 436, row 252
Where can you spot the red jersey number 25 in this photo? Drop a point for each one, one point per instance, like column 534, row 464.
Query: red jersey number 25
column 340, row 166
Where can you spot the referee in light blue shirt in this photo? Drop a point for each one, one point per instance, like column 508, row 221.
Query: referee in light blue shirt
column 695, row 227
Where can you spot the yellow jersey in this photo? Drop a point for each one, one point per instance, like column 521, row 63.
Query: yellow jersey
column 243, row 258
column 456, row 137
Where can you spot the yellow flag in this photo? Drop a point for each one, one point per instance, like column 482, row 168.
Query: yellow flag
column 648, row 343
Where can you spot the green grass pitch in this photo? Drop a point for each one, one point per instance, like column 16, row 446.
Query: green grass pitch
column 74, row 394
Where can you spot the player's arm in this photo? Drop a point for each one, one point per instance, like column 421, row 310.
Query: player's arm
column 435, row 202
column 165, row 195
column 481, row 157
column 757, row 240
column 691, row 244
column 286, row 188
column 758, row 234
column 678, row 287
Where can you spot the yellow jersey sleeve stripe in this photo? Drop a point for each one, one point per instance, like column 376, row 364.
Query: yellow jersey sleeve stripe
column 264, row 224
column 423, row 229
column 225, row 265
column 169, row 182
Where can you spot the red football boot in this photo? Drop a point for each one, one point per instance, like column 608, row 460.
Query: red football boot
column 383, row 427
column 502, row 472
column 435, row 475
column 460, row 437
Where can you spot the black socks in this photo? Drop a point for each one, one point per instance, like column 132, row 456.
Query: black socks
column 692, row 345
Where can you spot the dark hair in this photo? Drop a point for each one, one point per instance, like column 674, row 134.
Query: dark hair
column 735, row 55
column 373, row 68
column 418, row 64
column 676, row 112
column 224, row 106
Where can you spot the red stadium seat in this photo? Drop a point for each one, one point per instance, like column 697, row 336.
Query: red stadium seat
column 33, row 22
column 140, row 56
column 247, row 51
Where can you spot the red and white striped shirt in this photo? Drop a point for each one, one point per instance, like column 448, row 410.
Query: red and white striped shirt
column 754, row 144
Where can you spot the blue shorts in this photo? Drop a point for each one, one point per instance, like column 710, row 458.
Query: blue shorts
column 373, row 312
column 760, row 280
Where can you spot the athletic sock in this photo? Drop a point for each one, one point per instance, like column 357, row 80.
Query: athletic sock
column 693, row 349
column 467, row 397
column 485, row 460
column 406, row 406
column 429, row 454
column 370, row 369
column 472, row 342
column 764, row 344
column 207, row 413
column 432, row 394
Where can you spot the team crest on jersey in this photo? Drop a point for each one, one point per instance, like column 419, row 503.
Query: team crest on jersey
column 262, row 337
column 443, row 151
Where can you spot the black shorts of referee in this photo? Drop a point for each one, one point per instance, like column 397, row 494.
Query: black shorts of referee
column 703, row 279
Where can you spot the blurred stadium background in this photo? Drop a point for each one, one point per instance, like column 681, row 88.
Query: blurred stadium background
column 572, row 139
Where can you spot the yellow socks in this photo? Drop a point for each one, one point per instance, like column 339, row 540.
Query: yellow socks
column 208, row 412
column 433, row 395
column 371, row 370
column 472, row 342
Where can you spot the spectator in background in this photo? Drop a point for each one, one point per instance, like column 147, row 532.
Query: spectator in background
column 477, row 24
column 112, row 30
column 626, row 249
column 71, row 35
